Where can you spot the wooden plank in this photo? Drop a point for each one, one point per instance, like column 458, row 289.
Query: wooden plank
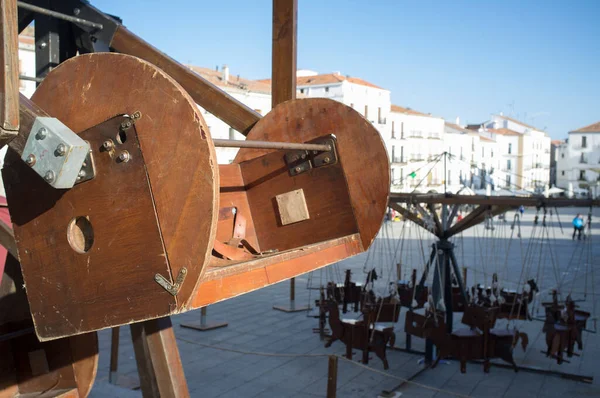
column 326, row 195
column 285, row 32
column 158, row 360
column 436, row 219
column 210, row 97
column 494, row 211
column 332, row 376
column 467, row 222
column 9, row 72
column 220, row 284
column 492, row 200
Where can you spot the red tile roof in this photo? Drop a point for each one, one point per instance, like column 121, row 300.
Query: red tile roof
column 408, row 111
column 457, row 127
column 216, row 77
column 557, row 142
column 518, row 121
column 328, row 78
column 592, row 128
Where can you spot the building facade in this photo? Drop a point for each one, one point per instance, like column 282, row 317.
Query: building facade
column 578, row 162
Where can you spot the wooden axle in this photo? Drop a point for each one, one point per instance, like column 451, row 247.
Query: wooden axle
column 269, row 145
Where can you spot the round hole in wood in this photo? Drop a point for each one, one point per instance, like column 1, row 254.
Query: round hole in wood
column 80, row 234
column 121, row 137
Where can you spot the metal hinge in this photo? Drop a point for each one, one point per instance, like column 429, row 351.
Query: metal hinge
column 173, row 289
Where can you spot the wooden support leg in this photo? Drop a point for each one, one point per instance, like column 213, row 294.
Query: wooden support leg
column 158, row 361
column 131, row 383
column 203, row 325
column 332, row 377
column 292, row 307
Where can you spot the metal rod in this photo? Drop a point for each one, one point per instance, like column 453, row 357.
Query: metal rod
column 270, row 145
column 31, row 78
column 58, row 15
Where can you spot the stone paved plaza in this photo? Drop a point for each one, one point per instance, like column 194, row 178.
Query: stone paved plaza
column 255, row 327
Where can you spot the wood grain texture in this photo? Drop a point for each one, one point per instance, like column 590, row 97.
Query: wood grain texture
column 325, row 192
column 9, row 71
column 222, row 283
column 157, row 357
column 285, row 34
column 28, row 111
column 292, row 207
column 361, row 152
column 72, row 292
column 173, row 136
column 206, row 94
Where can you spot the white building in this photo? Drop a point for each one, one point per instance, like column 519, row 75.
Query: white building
column 254, row 94
column 415, row 145
column 458, row 143
column 578, row 161
column 523, row 151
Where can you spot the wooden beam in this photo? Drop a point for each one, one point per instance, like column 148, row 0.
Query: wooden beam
column 409, row 214
column 511, row 201
column 285, row 32
column 158, row 361
column 28, row 111
column 9, row 72
column 476, row 219
column 7, row 239
column 452, row 215
column 466, row 222
column 207, row 95
column 436, row 219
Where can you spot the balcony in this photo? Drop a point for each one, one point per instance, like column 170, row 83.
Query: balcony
column 383, row 120
column 417, row 157
column 434, row 136
column 415, row 134
column 400, row 160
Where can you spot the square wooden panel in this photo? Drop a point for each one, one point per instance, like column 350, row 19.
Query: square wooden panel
column 292, row 207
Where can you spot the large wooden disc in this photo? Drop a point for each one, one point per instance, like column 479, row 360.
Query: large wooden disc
column 360, row 148
column 181, row 168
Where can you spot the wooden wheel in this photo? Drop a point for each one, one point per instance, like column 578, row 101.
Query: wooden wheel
column 145, row 221
column 361, row 152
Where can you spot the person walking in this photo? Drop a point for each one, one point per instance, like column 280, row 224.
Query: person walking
column 578, row 226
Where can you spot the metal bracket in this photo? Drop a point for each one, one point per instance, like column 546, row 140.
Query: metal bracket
column 88, row 170
column 173, row 289
column 55, row 152
column 302, row 161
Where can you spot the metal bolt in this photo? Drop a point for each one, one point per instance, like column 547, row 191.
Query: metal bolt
column 61, row 149
column 298, row 169
column 124, row 156
column 303, row 156
column 43, row 44
column 108, row 144
column 30, row 160
column 49, row 177
column 42, row 133
column 81, row 174
column 326, row 160
column 76, row 11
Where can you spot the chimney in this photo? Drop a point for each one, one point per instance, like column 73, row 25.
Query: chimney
column 457, row 121
column 225, row 73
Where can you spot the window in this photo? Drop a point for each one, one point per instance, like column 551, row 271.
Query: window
column 582, row 175
column 584, row 141
column 401, row 175
column 393, row 131
column 562, row 155
column 583, row 158
column 508, row 181
column 509, row 148
column 393, row 154
column 401, row 129
column 231, row 133
column 402, row 154
column 508, row 164
column 379, row 119
column 393, row 179
column 301, row 91
column 366, row 111
column 491, row 153
column 562, row 173
column 326, row 89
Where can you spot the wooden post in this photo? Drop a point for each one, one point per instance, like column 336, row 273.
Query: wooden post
column 129, row 382
column 158, row 361
column 283, row 80
column 9, row 72
column 332, row 376
column 204, row 325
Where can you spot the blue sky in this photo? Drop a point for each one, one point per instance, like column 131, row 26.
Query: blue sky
column 538, row 61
